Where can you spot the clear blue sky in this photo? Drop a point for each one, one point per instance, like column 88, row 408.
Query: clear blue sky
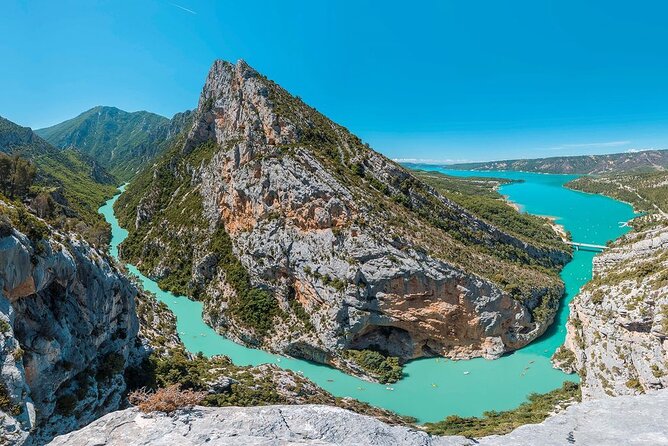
column 440, row 80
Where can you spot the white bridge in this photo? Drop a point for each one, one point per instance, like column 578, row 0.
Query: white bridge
column 587, row 246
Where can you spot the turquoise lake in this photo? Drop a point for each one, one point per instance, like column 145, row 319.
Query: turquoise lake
column 435, row 388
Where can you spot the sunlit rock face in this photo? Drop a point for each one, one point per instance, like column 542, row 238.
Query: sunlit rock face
column 618, row 327
column 373, row 257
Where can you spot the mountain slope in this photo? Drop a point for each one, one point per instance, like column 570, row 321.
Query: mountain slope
column 68, row 329
column 479, row 195
column 301, row 239
column 74, row 180
column 645, row 161
column 618, row 323
column 122, row 142
column 647, row 192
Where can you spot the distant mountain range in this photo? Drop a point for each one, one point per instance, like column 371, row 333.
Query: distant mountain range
column 121, row 141
column 644, row 161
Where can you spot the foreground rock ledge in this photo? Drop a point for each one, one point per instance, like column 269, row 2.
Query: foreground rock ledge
column 629, row 420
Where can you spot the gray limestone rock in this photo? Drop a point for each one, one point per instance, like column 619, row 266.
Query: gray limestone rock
column 68, row 331
column 629, row 420
column 618, row 325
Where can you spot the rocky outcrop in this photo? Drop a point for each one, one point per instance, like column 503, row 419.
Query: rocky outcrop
column 326, row 227
column 627, row 420
column 68, row 330
column 618, row 327
column 272, row 425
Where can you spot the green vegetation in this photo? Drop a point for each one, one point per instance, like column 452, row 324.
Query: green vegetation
column 111, row 365
column 255, row 306
column 19, row 217
column 533, row 411
column 63, row 187
column 634, row 384
column 178, row 207
column 16, row 176
column 386, row 369
column 75, row 176
column 564, row 357
column 646, row 192
column 250, row 386
column 479, row 196
column 121, row 142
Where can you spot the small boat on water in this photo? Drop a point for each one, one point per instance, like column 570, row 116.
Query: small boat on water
column 389, row 388
column 434, row 385
column 466, row 373
column 330, row 380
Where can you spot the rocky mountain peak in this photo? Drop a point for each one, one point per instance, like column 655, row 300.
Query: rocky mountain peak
column 291, row 214
column 235, row 104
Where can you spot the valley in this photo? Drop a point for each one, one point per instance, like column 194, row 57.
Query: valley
column 266, row 255
column 444, row 387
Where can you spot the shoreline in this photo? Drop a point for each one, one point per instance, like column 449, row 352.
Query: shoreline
column 558, row 228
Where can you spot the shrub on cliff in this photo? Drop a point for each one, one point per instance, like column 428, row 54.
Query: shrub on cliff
column 386, row 369
column 165, row 400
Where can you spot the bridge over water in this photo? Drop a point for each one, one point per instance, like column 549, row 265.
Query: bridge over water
column 586, row 246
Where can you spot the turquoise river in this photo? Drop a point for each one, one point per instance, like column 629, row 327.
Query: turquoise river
column 435, row 388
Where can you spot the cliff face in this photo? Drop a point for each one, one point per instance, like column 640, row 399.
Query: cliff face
column 68, row 330
column 618, row 328
column 638, row 420
column 301, row 239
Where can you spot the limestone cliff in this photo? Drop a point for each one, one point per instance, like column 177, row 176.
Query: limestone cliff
column 630, row 420
column 618, row 327
column 68, row 330
column 301, row 239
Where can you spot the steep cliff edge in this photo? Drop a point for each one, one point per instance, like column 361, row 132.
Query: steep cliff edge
column 618, row 327
column 637, row 420
column 301, row 239
column 68, row 330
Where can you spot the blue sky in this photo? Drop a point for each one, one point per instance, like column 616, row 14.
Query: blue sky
column 438, row 80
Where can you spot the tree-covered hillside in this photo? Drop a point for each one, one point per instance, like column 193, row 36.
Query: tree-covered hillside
column 479, row 195
column 68, row 186
column 646, row 192
column 120, row 141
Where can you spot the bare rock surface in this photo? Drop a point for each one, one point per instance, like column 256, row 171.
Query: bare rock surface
column 68, row 330
column 327, row 226
column 618, row 327
column 630, row 420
